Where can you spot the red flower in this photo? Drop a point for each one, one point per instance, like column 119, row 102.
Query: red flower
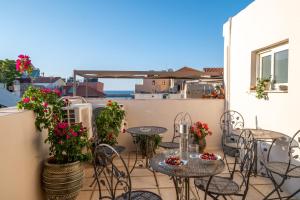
column 205, row 126
column 124, row 130
column 57, row 92
column 26, row 100
column 68, row 137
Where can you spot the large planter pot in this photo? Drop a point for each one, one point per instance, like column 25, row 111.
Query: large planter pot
column 62, row 181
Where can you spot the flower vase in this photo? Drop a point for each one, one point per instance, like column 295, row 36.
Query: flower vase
column 202, row 145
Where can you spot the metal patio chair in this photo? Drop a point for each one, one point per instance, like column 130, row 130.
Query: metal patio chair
column 113, row 177
column 284, row 169
column 220, row 186
column 230, row 121
column 174, row 144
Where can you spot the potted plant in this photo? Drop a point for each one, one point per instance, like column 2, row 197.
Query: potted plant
column 148, row 144
column 199, row 131
column 109, row 122
column 62, row 173
column 261, row 87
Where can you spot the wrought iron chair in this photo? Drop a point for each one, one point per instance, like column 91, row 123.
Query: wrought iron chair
column 118, row 148
column 174, row 144
column 113, row 177
column 217, row 186
column 230, row 121
column 284, row 169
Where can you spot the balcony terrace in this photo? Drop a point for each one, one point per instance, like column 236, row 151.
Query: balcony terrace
column 23, row 149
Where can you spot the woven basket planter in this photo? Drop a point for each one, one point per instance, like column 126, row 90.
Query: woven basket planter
column 62, row 181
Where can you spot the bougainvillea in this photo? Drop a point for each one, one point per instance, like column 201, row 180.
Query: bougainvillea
column 23, row 64
column 67, row 141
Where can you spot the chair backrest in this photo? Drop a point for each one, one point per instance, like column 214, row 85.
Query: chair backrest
column 230, row 120
column 180, row 116
column 293, row 150
column 245, row 158
column 112, row 174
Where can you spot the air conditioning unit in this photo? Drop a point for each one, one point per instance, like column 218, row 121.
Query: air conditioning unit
column 76, row 113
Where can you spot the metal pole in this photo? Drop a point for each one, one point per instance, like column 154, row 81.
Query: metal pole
column 74, row 82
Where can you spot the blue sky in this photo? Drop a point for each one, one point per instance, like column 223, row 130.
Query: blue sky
column 115, row 34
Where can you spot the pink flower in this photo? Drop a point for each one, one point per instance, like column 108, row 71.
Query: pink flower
column 46, row 90
column 68, row 137
column 45, row 104
column 74, row 134
column 60, row 142
column 57, row 92
column 26, row 100
column 23, row 63
column 62, row 125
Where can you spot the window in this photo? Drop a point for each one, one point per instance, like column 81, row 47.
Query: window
column 164, row 82
column 273, row 63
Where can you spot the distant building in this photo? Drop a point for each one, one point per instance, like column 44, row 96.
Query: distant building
column 181, row 88
column 49, row 82
column 84, row 89
column 20, row 86
column 153, row 86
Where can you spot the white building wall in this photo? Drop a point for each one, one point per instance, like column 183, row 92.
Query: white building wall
column 263, row 23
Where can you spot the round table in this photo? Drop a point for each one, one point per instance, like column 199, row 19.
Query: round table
column 194, row 168
column 148, row 132
column 261, row 135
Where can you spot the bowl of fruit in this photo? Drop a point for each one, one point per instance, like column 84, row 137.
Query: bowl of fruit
column 174, row 161
column 209, row 157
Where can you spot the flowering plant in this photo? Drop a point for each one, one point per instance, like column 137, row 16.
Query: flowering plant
column 109, row 122
column 46, row 105
column 67, row 142
column 200, row 130
column 23, row 64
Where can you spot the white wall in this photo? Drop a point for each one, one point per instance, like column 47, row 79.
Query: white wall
column 162, row 113
column 263, row 23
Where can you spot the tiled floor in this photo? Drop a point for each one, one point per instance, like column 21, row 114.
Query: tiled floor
column 142, row 178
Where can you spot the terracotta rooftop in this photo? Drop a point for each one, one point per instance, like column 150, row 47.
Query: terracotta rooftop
column 45, row 79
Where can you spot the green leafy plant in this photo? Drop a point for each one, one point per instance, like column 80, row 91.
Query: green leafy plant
column 109, row 122
column 261, row 87
column 8, row 72
column 67, row 141
column 148, row 144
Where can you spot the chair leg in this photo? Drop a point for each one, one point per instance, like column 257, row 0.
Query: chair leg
column 226, row 162
column 276, row 186
column 207, row 186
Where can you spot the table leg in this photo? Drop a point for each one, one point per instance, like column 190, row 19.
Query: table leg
column 255, row 158
column 136, row 154
column 187, row 188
